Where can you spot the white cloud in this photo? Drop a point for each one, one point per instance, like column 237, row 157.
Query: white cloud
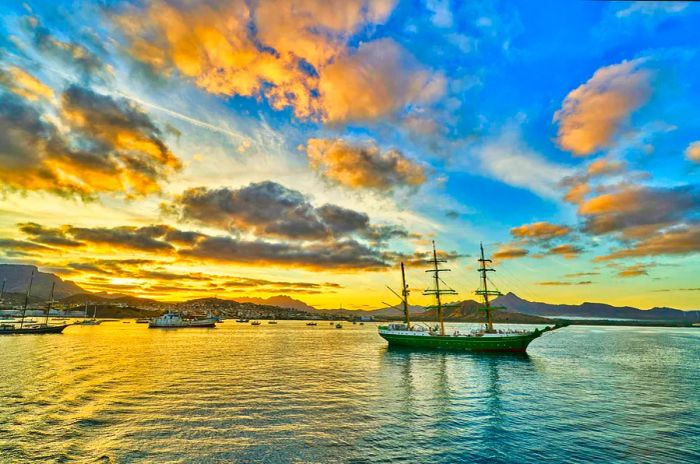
column 651, row 8
column 506, row 157
column 442, row 15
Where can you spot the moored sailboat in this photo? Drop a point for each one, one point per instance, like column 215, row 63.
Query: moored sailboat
column 486, row 338
column 86, row 321
column 31, row 327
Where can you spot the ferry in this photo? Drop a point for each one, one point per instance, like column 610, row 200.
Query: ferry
column 173, row 320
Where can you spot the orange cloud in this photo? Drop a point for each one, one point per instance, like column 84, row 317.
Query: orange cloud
column 378, row 80
column 102, row 145
column 633, row 271
column 567, row 251
column 692, row 153
column 508, row 252
column 25, row 85
column 296, row 56
column 603, row 167
column 593, row 113
column 577, row 193
column 540, row 231
column 363, row 165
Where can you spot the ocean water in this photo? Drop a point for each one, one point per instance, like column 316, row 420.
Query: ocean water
column 291, row 393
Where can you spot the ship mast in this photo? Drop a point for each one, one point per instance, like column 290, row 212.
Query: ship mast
column 26, row 300
column 48, row 307
column 404, row 299
column 484, row 291
column 437, row 291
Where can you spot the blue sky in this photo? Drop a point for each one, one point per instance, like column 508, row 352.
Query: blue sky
column 561, row 134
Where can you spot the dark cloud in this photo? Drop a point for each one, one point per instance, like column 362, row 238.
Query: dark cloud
column 682, row 240
column 10, row 246
column 87, row 63
column 138, row 238
column 49, row 236
column 343, row 221
column 268, row 209
column 637, row 212
column 167, row 241
column 345, row 254
column 264, row 208
column 112, row 146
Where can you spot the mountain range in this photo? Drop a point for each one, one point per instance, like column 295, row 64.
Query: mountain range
column 513, row 303
column 16, row 278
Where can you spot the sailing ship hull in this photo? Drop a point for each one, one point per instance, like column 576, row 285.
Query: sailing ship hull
column 51, row 329
column 505, row 344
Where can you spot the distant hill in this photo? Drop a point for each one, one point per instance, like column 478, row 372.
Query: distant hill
column 470, row 311
column 16, row 277
column 92, row 298
column 513, row 303
column 281, row 301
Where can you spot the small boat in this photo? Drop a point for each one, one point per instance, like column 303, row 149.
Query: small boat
column 331, row 323
column 362, row 323
column 311, row 323
column 339, row 325
column 242, row 321
column 173, row 320
column 255, row 323
column 272, row 322
column 143, row 320
column 87, row 321
column 126, row 322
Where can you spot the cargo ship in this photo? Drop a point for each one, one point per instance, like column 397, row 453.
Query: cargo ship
column 486, row 338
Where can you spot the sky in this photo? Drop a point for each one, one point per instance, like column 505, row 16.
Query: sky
column 175, row 149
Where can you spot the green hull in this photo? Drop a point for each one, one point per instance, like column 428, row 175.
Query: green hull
column 510, row 344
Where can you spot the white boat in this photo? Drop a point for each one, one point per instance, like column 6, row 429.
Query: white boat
column 175, row 320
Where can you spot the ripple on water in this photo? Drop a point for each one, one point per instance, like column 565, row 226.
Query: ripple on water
column 291, row 393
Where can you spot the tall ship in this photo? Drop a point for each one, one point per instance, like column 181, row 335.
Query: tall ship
column 26, row 327
column 485, row 338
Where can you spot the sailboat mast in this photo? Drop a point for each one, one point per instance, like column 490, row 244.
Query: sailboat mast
column 487, row 304
column 26, row 300
column 48, row 307
column 404, row 294
column 437, row 291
